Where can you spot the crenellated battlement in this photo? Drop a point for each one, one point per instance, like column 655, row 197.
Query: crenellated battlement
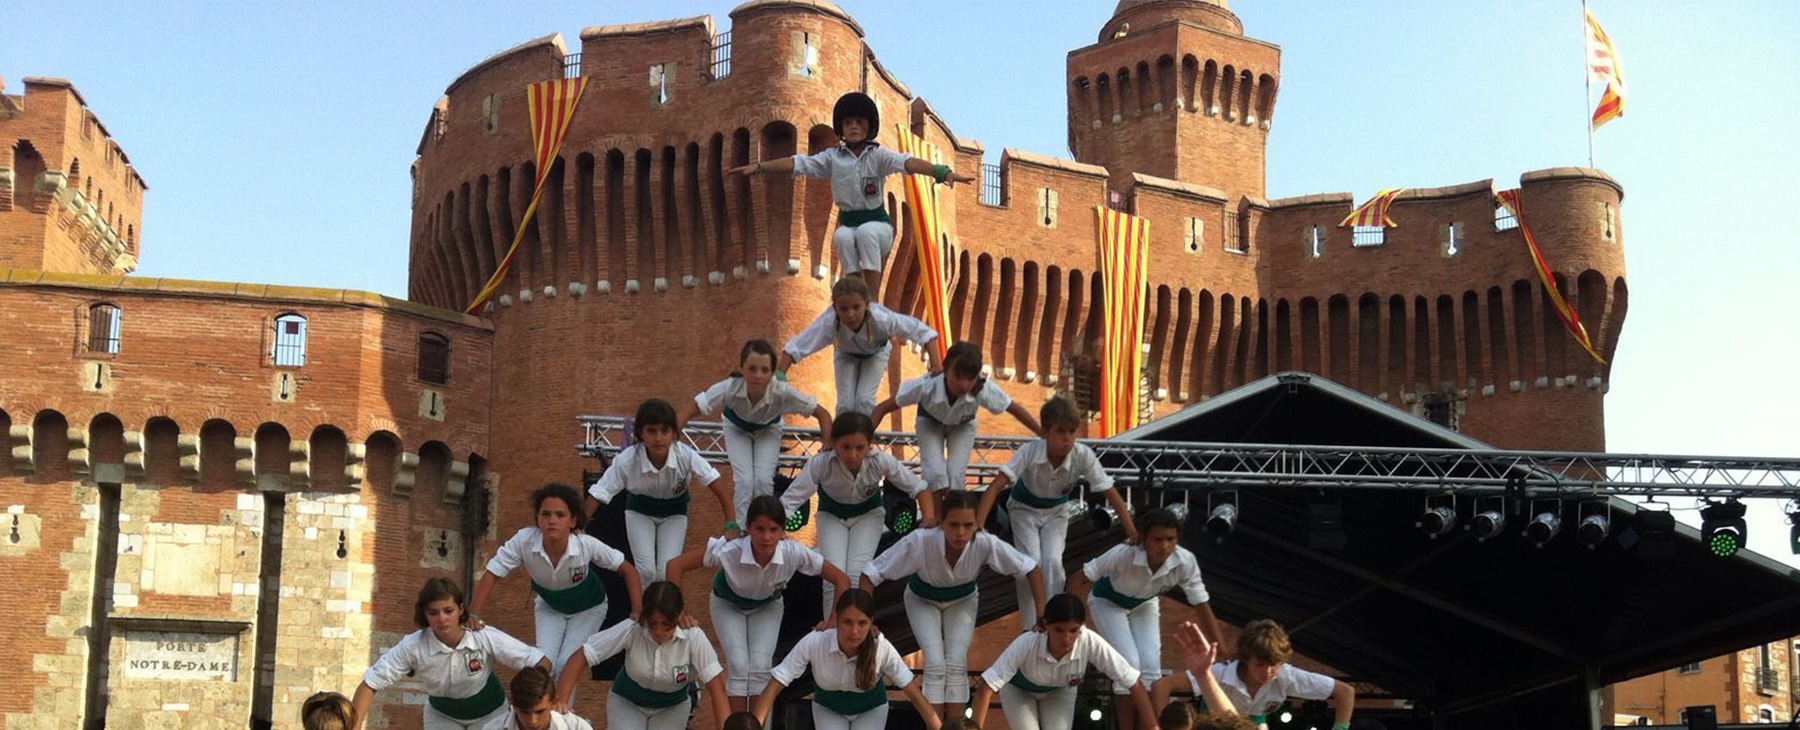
column 70, row 198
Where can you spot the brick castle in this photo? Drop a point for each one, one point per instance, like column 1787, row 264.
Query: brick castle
column 269, row 472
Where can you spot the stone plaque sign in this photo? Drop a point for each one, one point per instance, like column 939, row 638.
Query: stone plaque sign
column 179, row 656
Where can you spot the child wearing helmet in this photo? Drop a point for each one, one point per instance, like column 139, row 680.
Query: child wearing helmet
column 858, row 169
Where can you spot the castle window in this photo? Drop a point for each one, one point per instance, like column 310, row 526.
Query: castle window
column 806, row 55
column 721, row 55
column 990, row 185
column 662, row 82
column 572, row 66
column 103, row 329
column 1689, row 668
column 290, row 341
column 1607, row 220
column 1441, row 409
column 1047, row 207
column 1451, row 235
column 1315, row 241
column 1503, row 219
column 434, row 358
column 1368, row 235
column 490, row 115
column 1193, row 234
column 1234, row 234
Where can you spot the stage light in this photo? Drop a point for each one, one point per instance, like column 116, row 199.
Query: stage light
column 1722, row 528
column 1543, row 528
column 1437, row 521
column 1222, row 521
column 802, row 514
column 1094, row 714
column 1180, row 510
column 1487, row 524
column 968, row 713
column 902, row 511
column 1593, row 530
column 1286, row 717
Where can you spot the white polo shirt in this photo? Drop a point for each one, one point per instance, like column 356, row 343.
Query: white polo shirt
column 826, row 473
column 1031, row 464
column 1030, row 655
column 858, row 181
column 927, row 392
column 922, row 553
column 631, row 471
column 779, row 399
column 565, row 571
column 1289, row 681
column 754, row 581
column 832, row 669
column 558, row 721
column 1129, row 569
column 687, row 657
column 446, row 671
column 879, row 325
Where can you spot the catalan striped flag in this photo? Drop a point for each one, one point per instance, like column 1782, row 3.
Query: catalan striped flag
column 1571, row 321
column 922, row 208
column 1374, row 212
column 552, row 108
column 1124, row 265
column 1603, row 66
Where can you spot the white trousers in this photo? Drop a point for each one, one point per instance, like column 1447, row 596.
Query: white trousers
column 1026, row 711
column 622, row 714
column 863, row 248
column 944, row 631
column 560, row 634
column 753, row 457
column 1135, row 633
column 859, row 380
column 748, row 638
column 1041, row 534
column 944, row 452
column 848, row 544
column 435, row 720
column 654, row 542
column 824, row 719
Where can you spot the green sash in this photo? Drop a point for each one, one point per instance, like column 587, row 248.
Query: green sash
column 848, row 510
column 1019, row 680
column 1104, row 589
column 590, row 592
column 853, row 218
column 930, row 592
column 658, row 506
column 722, row 589
column 748, row 426
column 477, row 706
column 1024, row 496
column 852, row 702
column 649, row 699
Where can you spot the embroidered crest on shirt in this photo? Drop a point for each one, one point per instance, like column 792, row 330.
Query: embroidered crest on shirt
column 682, row 671
column 474, row 663
column 868, row 187
column 1074, row 680
column 577, row 574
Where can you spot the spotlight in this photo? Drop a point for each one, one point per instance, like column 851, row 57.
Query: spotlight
column 1103, row 518
column 1487, row 524
column 902, row 511
column 1543, row 528
column 1222, row 521
column 968, row 713
column 1180, row 510
column 802, row 514
column 1437, row 521
column 1654, row 527
column 1286, row 717
column 1593, row 530
column 1094, row 714
column 1722, row 528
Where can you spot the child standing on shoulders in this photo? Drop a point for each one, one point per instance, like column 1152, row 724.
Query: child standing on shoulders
column 571, row 599
column 534, row 705
column 746, row 592
column 453, row 663
column 859, row 331
column 1040, row 480
column 849, row 663
column 948, row 403
column 858, row 169
column 753, row 402
column 1123, row 586
column 654, row 473
column 848, row 479
column 1037, row 675
column 941, row 567
column 663, row 663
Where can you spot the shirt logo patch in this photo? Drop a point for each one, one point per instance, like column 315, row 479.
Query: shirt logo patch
column 1074, row 680
column 682, row 671
column 868, row 491
column 1269, row 707
column 474, row 662
column 869, row 187
column 577, row 574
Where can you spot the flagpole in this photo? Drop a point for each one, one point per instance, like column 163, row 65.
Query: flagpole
column 1588, row 83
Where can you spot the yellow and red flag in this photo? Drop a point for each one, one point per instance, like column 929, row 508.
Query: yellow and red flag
column 1603, row 66
column 1125, row 272
column 1374, row 212
column 552, row 107
column 1571, row 321
column 922, row 208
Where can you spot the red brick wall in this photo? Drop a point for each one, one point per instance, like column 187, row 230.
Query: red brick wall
column 40, row 230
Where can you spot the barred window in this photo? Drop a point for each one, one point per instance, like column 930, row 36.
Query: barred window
column 434, row 358
column 1368, row 235
column 103, row 329
column 290, row 341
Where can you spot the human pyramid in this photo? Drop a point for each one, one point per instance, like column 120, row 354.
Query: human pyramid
column 669, row 659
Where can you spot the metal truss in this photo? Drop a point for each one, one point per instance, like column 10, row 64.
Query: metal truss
column 1183, row 465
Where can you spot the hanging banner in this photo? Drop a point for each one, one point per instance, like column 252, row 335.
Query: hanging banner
column 1571, row 321
column 922, row 212
column 1375, row 212
column 1124, row 264
column 552, row 106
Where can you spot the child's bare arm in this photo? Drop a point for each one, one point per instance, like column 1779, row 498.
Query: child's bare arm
column 1024, row 416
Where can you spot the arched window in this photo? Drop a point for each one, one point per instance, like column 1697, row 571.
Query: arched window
column 434, row 358
column 103, row 329
column 290, row 341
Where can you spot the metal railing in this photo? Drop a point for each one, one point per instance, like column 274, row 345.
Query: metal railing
column 990, row 185
column 572, row 66
column 721, row 55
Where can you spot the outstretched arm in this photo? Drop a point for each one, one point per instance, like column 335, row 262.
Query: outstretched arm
column 882, row 410
column 1024, row 416
column 359, row 705
column 838, row 581
column 943, row 173
column 984, row 696
column 634, row 585
column 824, row 418
column 1198, row 654
column 681, row 564
column 783, row 165
column 1036, row 578
column 766, row 700
column 572, row 670
column 1343, row 703
column 484, row 586
column 989, row 498
column 1123, row 510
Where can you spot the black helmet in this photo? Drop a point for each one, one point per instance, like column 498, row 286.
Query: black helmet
column 855, row 104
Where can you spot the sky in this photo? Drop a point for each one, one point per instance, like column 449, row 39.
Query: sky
column 276, row 138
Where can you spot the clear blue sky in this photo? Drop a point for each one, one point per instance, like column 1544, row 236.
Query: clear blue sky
column 276, row 138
